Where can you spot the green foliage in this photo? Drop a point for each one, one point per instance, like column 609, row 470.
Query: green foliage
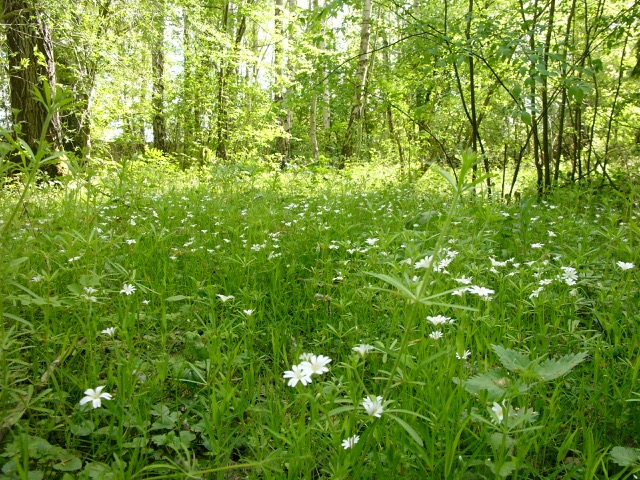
column 537, row 369
column 187, row 294
column 626, row 457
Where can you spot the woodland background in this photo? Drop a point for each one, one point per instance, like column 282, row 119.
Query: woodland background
column 546, row 84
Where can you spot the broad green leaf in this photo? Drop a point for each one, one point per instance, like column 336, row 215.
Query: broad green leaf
column 51, row 158
column 408, row 412
column 496, row 384
column 426, row 301
column 40, row 300
column 510, row 359
column 98, row 471
column 339, row 410
column 567, row 444
column 493, row 382
column 75, row 289
column 83, row 429
column 625, row 457
column 469, row 159
column 395, row 282
column 446, row 175
column 17, row 261
column 498, row 438
column 420, row 220
column 412, row 433
column 505, row 469
column 177, row 298
column 68, row 463
column 552, row 369
column 17, row 319
column 575, row 93
column 186, row 437
column 165, row 421
column 26, row 147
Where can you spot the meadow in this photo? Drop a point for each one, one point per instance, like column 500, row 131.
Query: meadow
column 242, row 322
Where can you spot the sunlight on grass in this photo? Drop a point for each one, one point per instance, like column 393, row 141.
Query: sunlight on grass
column 242, row 322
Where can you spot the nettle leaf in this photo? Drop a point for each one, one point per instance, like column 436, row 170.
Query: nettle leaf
column 497, row 440
column 505, row 470
column 186, row 437
column 552, row 369
column 98, row 471
column 165, row 422
column 83, row 429
column 493, row 382
column 512, row 360
column 625, row 457
column 496, row 384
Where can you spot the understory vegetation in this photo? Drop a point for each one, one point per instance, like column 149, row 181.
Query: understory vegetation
column 245, row 322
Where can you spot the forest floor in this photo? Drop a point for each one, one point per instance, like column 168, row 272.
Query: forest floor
column 237, row 323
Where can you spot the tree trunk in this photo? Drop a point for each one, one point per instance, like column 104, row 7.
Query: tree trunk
column 533, row 68
column 313, row 127
column 282, row 141
column 348, row 143
column 225, row 71
column 614, row 105
column 564, row 99
column 28, row 43
column 157, row 68
column 389, row 112
column 546, row 134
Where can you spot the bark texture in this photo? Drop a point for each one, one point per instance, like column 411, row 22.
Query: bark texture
column 349, row 142
column 30, row 57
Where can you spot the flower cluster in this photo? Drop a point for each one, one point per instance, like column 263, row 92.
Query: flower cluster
column 439, row 320
column 311, row 365
column 569, row 275
column 440, row 266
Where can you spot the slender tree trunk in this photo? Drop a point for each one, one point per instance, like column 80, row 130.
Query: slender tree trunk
column 313, row 126
column 225, row 72
column 472, row 82
column 475, row 123
column 592, row 128
column 546, row 148
column 282, row 141
column 313, row 106
column 157, row 68
column 326, row 96
column 563, row 101
column 288, row 118
column 222, row 118
column 577, row 143
column 534, row 94
column 518, row 161
column 355, row 115
column 29, row 41
column 389, row 112
column 614, row 106
column 191, row 137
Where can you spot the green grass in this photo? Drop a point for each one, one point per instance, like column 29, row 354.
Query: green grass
column 324, row 261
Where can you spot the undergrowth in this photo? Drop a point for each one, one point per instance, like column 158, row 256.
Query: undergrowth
column 450, row 335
